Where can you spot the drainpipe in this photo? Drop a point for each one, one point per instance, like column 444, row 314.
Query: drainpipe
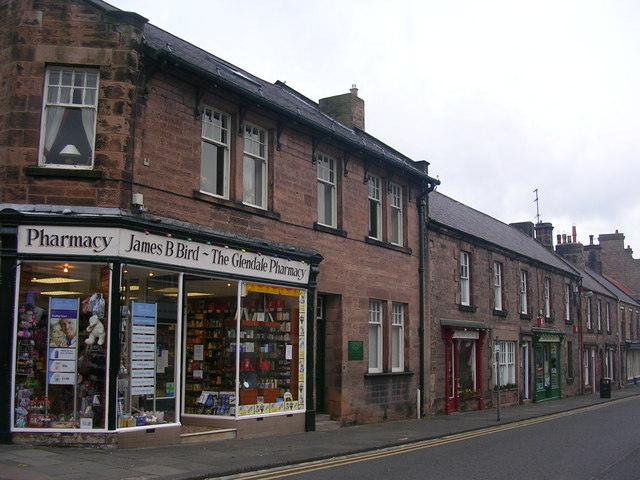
column 423, row 203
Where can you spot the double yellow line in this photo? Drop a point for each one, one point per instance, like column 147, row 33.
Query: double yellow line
column 308, row 467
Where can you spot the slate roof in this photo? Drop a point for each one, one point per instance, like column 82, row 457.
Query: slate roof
column 590, row 280
column 276, row 96
column 453, row 214
column 613, row 288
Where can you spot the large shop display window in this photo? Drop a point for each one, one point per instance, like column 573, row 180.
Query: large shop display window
column 61, row 345
column 148, row 333
column 244, row 348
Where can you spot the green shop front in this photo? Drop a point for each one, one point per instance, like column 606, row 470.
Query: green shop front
column 547, row 365
column 123, row 332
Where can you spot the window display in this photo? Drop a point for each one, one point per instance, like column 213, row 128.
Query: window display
column 61, row 329
column 148, row 329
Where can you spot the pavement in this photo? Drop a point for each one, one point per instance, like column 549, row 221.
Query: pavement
column 210, row 460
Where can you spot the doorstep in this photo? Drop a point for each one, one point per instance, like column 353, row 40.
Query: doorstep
column 204, row 434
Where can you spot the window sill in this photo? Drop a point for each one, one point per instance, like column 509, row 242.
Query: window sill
column 68, row 173
column 390, row 246
column 500, row 313
column 388, row 374
column 467, row 308
column 333, row 231
column 240, row 207
column 526, row 316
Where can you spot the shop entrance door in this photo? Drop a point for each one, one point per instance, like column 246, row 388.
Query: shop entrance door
column 547, row 371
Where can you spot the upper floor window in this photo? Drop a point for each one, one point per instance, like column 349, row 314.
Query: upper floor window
column 589, row 324
column 465, row 287
column 547, row 298
column 214, row 159
column 397, row 337
column 375, row 207
column 607, row 316
column 69, row 117
column 326, row 191
column 395, row 193
column 254, row 184
column 599, row 314
column 567, row 301
column 524, row 306
column 497, row 285
column 375, row 336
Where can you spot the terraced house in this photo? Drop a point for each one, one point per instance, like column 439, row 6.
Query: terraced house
column 190, row 249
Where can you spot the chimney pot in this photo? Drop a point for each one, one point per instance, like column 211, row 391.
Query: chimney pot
column 564, row 238
column 559, row 239
column 590, row 239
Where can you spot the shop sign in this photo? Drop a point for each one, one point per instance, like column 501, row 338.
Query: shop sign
column 469, row 334
column 548, row 338
column 356, row 350
column 130, row 244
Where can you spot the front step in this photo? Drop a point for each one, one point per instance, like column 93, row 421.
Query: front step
column 325, row 424
column 198, row 434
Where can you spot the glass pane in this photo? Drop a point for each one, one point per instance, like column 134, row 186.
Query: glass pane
column 373, row 219
column 259, row 183
column 373, row 347
column 395, row 226
column 321, row 205
column 77, row 96
column 61, row 350
column 271, row 342
column 207, row 167
column 67, row 76
column 52, row 94
column 248, row 181
column 92, row 79
column 210, row 339
column 54, row 77
column 221, row 175
column 466, row 361
column 68, row 138
column 328, row 205
column 90, row 96
column 78, row 79
column 65, row 95
column 396, row 347
column 146, row 386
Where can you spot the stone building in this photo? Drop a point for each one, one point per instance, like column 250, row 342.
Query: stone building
column 492, row 287
column 188, row 244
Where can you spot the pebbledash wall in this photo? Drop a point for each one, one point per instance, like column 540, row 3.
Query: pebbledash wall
column 113, row 128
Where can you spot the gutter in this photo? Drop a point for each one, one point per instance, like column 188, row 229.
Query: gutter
column 165, row 56
column 423, row 206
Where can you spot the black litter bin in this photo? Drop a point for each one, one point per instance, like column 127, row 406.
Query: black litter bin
column 605, row 388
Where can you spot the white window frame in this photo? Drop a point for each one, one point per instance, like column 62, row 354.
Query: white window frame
column 396, row 204
column 547, row 297
column 374, row 185
column 506, row 366
column 524, row 306
column 327, row 178
column 465, row 276
column 589, row 324
column 397, row 328
column 375, row 328
column 599, row 314
column 607, row 316
column 567, row 301
column 251, row 129
column 218, row 143
column 497, row 286
column 49, row 103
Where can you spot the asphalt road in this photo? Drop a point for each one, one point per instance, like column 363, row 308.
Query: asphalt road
column 602, row 443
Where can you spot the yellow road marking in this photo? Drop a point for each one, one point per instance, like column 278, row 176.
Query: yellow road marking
column 281, row 472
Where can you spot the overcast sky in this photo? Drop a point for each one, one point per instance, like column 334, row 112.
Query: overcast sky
column 502, row 97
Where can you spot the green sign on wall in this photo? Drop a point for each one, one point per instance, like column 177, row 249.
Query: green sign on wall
column 356, row 350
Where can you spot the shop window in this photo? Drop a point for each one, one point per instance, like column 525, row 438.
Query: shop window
column 395, row 195
column 547, row 297
column 146, row 386
column 465, row 287
column 375, row 207
column 466, row 366
column 210, row 346
column 214, row 160
column 69, row 117
column 271, row 349
column 254, row 183
column 497, row 286
column 326, row 191
column 524, row 306
column 375, row 336
column 397, row 337
column 62, row 327
column 567, row 302
column 507, row 363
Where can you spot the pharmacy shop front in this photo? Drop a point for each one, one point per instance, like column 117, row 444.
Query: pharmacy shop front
column 122, row 335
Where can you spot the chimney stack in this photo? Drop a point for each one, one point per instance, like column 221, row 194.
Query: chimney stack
column 524, row 227
column 347, row 108
column 544, row 235
column 574, row 234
